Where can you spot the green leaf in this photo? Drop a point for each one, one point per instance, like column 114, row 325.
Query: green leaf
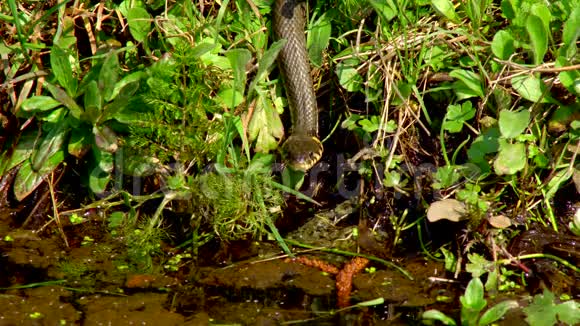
column 120, row 102
column 105, row 139
column 93, row 102
column 27, row 179
column 105, row 160
column 569, row 312
column 502, row 45
column 530, row 87
column 130, row 79
column 265, row 63
column 513, row 123
column 484, row 144
column 80, row 142
column 571, row 78
column 457, row 115
column 539, row 37
column 260, row 164
column 265, row 127
column 387, row 10
column 60, row 95
column 348, row 75
column 239, row 58
column 318, row 39
column 473, row 296
column 139, row 23
column 556, row 182
column 445, row 8
column 570, row 35
column 23, row 150
column 50, row 144
column 62, row 70
column 108, row 75
column 98, row 180
column 439, row 316
column 202, row 48
column 229, row 98
column 542, row 312
column 541, row 10
column 496, row 312
column 468, row 85
column 472, row 302
column 477, row 265
column 39, row 104
column 511, row 158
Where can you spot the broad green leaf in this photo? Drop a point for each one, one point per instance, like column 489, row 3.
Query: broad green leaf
column 54, row 116
column 260, row 164
column 457, row 115
column 229, row 98
column 120, row 102
column 556, row 182
column 436, row 56
column 269, row 58
column 27, row 179
column 80, row 142
column 484, row 144
column 496, row 312
column 348, row 75
column 569, row 312
column 62, row 69
column 508, row 9
column 502, row 45
column 318, row 39
column 438, row 315
column 370, row 125
column 39, row 104
column 98, row 180
column 541, row 10
column 239, row 58
column 139, row 23
column 50, row 144
column 93, row 102
column 530, row 87
column 445, row 8
column 265, row 127
column 387, row 10
column 264, row 65
column 542, row 311
column 60, row 95
column 133, row 78
column 473, row 296
column 539, row 37
column 571, row 78
column 201, row 49
column 21, row 152
column 108, row 75
column 511, row 158
column 570, row 34
column 513, row 123
column 105, row 139
column 105, row 160
column 468, row 85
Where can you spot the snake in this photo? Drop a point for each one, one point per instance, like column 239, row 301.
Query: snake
column 302, row 148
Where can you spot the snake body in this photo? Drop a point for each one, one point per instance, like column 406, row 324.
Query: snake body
column 302, row 149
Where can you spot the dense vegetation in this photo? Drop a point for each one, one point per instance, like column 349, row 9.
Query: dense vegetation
column 171, row 113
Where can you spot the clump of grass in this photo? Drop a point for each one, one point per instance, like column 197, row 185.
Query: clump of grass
column 236, row 205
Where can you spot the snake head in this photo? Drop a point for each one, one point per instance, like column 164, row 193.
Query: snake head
column 301, row 152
